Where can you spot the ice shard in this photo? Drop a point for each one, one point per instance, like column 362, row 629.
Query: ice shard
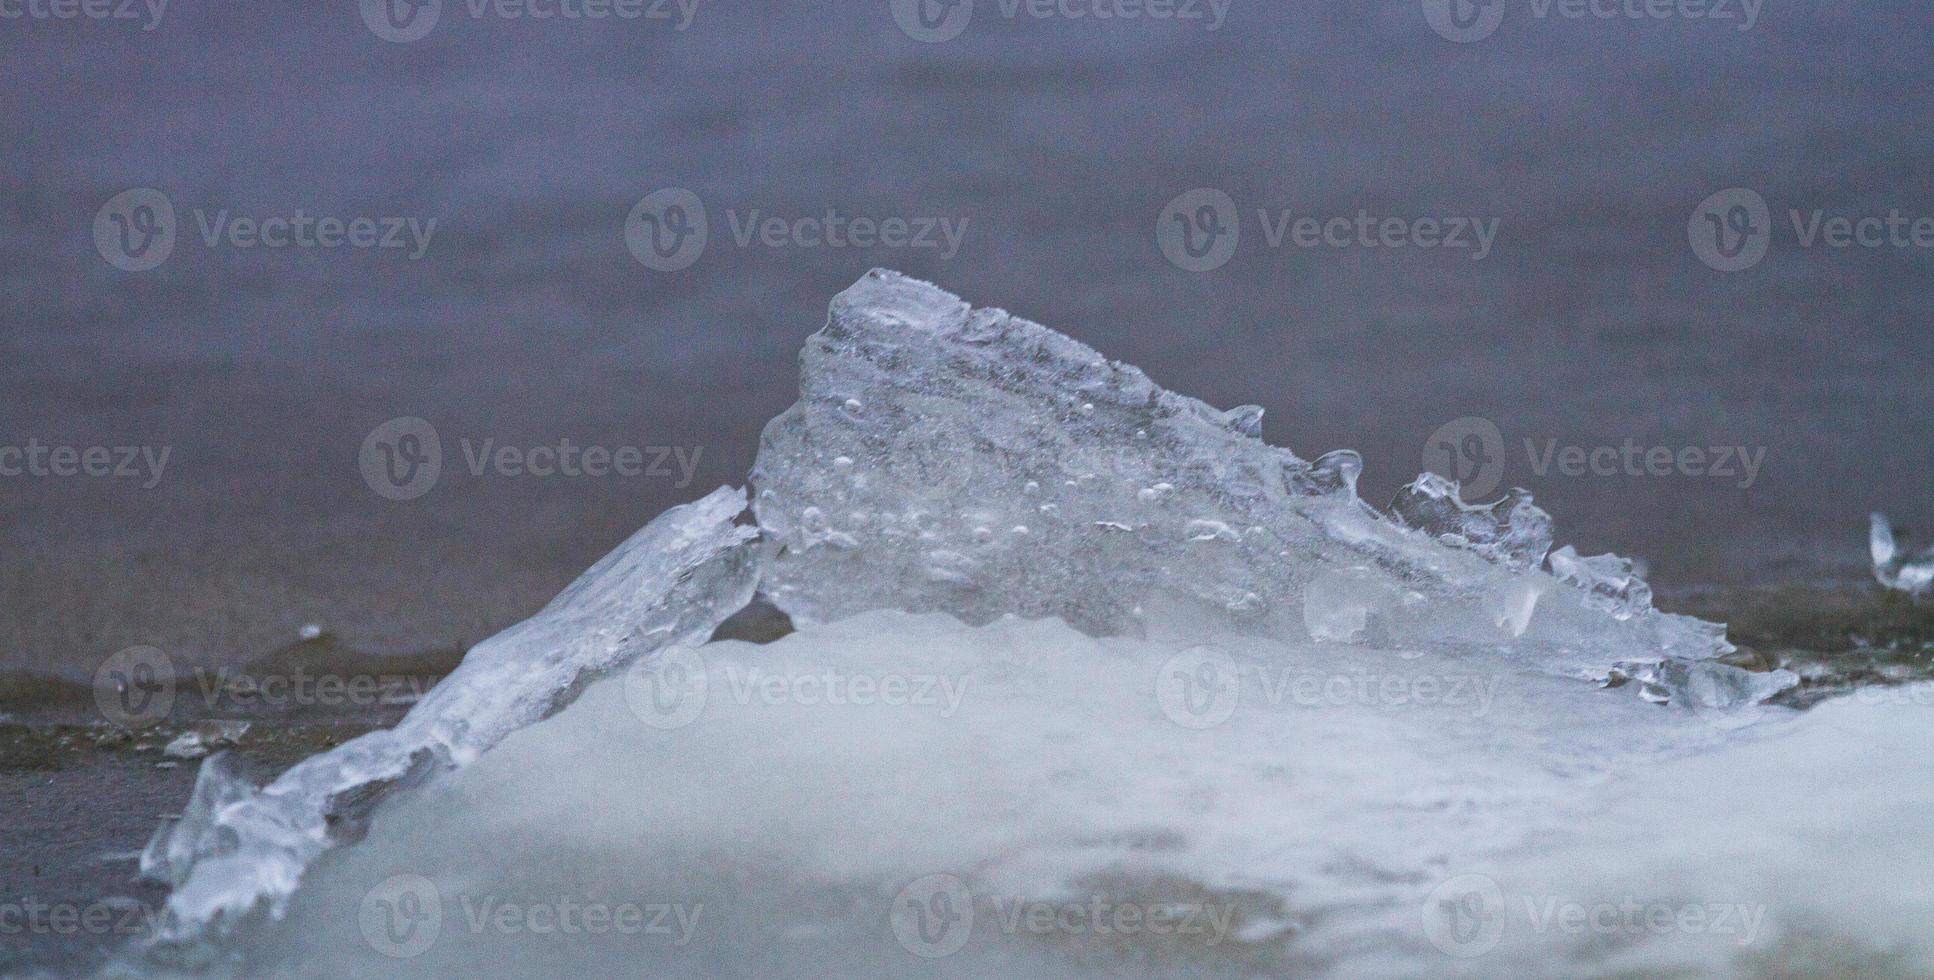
column 671, row 583
column 961, row 460
column 1894, row 566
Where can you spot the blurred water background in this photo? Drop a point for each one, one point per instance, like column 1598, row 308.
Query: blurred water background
column 1054, row 144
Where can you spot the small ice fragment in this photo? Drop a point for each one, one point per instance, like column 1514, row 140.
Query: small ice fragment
column 1513, row 601
column 1513, row 531
column 223, row 782
column 1244, row 419
column 1609, row 581
column 1894, row 567
column 673, row 582
column 309, row 631
column 199, row 741
column 1333, row 472
column 1704, row 683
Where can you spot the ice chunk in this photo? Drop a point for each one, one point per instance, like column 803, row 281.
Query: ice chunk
column 1609, row 581
column 222, row 782
column 204, row 738
column 960, row 420
column 943, row 459
column 1704, row 684
column 1894, row 566
column 1513, row 602
column 672, row 582
column 1513, row 530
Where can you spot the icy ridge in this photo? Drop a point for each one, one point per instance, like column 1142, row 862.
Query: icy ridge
column 670, row 584
column 948, row 458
